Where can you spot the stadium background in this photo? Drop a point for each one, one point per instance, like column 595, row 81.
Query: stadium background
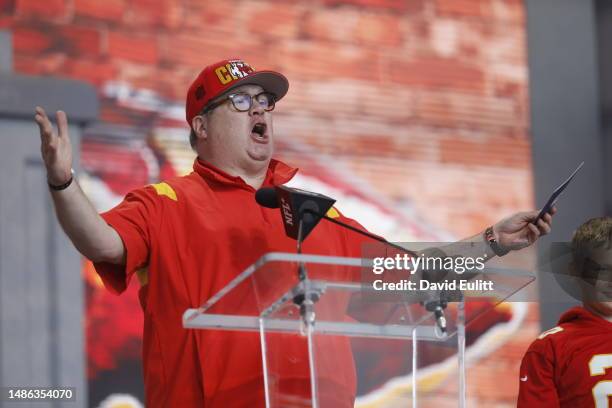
column 414, row 114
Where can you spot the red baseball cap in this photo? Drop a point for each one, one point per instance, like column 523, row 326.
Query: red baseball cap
column 220, row 77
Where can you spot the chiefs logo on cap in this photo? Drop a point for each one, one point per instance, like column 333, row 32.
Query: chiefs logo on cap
column 232, row 71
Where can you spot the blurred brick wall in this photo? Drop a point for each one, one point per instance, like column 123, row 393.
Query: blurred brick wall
column 431, row 93
column 424, row 99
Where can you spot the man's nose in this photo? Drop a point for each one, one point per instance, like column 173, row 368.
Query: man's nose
column 256, row 108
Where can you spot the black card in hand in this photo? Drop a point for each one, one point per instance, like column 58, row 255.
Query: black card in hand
column 555, row 194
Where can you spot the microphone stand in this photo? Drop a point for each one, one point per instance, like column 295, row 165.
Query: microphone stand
column 305, row 296
column 302, row 275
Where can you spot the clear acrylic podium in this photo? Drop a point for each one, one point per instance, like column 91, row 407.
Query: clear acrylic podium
column 325, row 334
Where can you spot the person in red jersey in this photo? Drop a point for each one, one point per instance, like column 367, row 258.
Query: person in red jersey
column 571, row 365
column 194, row 234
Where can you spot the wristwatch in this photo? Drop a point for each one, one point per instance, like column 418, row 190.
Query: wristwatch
column 489, row 236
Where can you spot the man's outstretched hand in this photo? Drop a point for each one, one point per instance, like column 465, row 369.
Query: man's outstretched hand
column 518, row 231
column 55, row 147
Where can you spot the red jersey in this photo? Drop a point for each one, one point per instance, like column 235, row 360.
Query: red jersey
column 569, row 365
column 194, row 234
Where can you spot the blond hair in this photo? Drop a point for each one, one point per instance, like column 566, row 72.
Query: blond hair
column 595, row 233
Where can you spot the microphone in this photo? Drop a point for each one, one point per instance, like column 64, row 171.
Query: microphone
column 298, row 207
column 266, row 197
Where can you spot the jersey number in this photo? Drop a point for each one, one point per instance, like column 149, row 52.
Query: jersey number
column 603, row 389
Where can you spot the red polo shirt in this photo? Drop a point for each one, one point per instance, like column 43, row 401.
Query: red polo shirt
column 194, row 234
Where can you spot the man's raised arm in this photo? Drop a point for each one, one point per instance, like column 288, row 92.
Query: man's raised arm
column 89, row 233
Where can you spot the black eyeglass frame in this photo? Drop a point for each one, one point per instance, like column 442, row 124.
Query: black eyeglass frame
column 230, row 97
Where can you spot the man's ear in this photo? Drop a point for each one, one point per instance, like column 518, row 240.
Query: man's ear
column 199, row 124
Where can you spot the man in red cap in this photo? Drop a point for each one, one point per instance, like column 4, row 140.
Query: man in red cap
column 194, row 234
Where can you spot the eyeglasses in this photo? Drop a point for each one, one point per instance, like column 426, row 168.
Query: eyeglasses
column 243, row 102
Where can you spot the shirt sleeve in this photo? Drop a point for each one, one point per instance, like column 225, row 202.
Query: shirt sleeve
column 537, row 385
column 132, row 219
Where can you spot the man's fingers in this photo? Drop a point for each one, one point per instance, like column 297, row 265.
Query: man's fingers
column 534, row 229
column 548, row 218
column 39, row 121
column 62, row 124
column 39, row 117
column 44, row 124
column 40, row 111
column 543, row 227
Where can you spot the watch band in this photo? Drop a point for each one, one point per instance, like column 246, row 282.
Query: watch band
column 62, row 186
column 489, row 236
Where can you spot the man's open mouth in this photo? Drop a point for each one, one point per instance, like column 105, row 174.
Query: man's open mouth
column 259, row 131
